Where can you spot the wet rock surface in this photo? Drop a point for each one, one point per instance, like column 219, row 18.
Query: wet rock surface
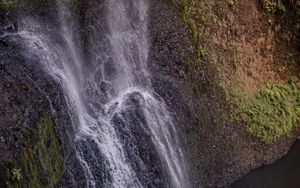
column 131, row 125
column 28, row 97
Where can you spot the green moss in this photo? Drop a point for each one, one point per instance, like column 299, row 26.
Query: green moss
column 4, row 5
column 43, row 161
column 201, row 51
column 199, row 16
column 272, row 112
column 274, row 7
column 232, row 2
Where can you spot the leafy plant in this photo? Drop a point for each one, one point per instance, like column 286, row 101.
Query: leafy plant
column 16, row 175
column 201, row 51
column 275, row 7
column 270, row 7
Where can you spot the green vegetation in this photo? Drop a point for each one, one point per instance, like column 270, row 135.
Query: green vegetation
column 274, row 7
column 272, row 112
column 4, row 5
column 16, row 175
column 232, row 2
column 202, row 51
column 42, row 160
column 201, row 16
column 186, row 17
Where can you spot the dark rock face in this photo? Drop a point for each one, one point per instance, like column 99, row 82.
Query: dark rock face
column 32, row 104
column 30, row 97
column 131, row 125
column 33, row 108
column 35, row 127
column 43, row 10
column 102, row 177
column 169, row 53
column 218, row 151
column 7, row 17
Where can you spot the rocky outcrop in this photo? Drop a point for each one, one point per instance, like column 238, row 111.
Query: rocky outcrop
column 7, row 17
column 36, row 133
column 218, row 151
column 28, row 139
column 35, row 127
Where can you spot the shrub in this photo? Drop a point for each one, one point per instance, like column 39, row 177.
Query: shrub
column 274, row 6
column 272, row 112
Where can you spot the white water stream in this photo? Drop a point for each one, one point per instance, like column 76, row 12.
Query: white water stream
column 102, row 105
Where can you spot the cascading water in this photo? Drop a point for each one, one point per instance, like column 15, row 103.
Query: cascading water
column 124, row 134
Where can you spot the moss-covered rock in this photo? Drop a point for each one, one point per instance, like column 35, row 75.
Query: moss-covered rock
column 272, row 112
column 7, row 16
column 33, row 134
column 42, row 161
column 6, row 5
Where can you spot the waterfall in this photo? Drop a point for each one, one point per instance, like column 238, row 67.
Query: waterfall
column 125, row 136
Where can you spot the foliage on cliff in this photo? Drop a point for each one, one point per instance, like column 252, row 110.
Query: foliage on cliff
column 4, row 5
column 42, row 162
column 7, row 10
column 250, row 46
column 272, row 112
